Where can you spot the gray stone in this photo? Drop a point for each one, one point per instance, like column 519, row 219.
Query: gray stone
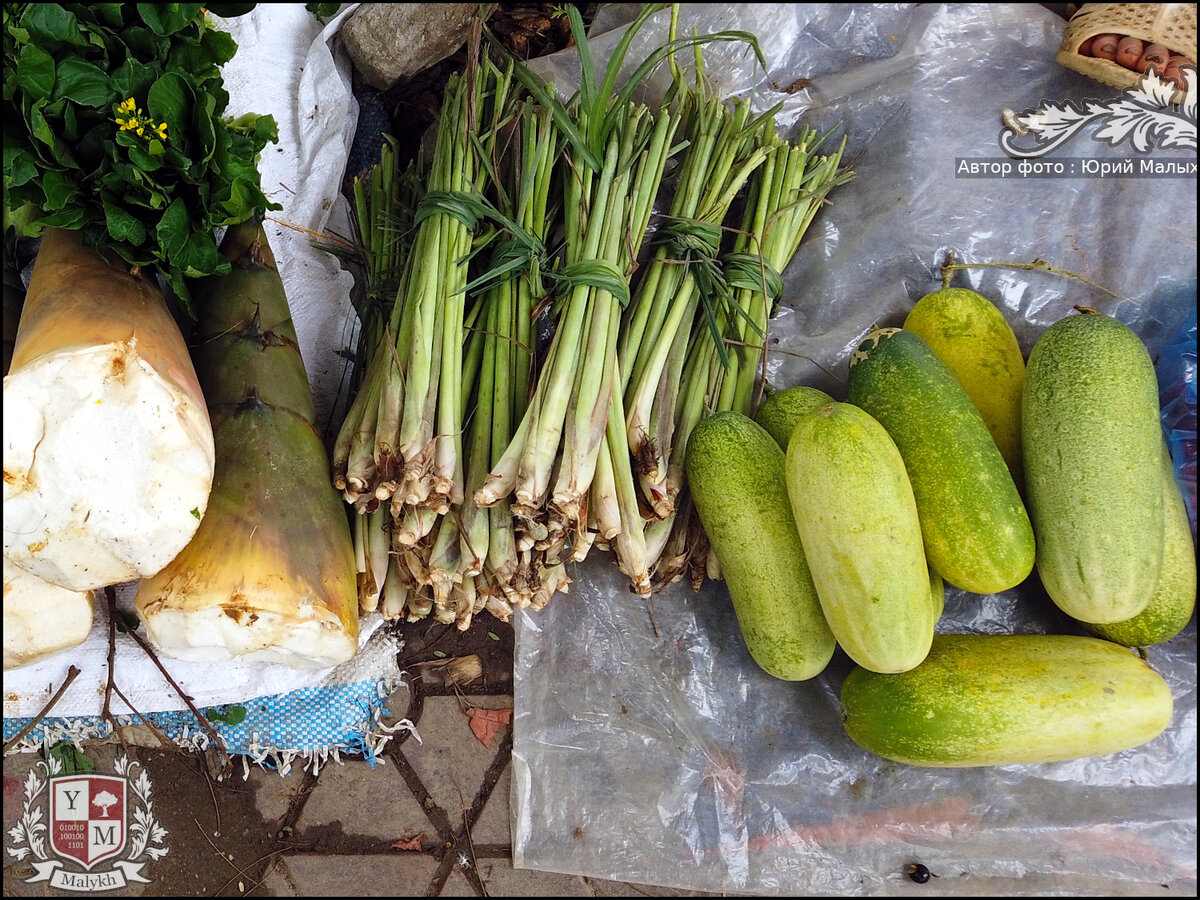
column 390, row 42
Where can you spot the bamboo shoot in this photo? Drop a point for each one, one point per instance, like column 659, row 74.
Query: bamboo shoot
column 108, row 448
column 41, row 619
column 270, row 575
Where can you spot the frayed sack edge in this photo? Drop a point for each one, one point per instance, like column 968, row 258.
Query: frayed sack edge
column 368, row 742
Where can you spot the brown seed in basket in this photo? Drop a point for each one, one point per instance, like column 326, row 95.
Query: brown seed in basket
column 1129, row 51
column 1104, row 46
column 1156, row 55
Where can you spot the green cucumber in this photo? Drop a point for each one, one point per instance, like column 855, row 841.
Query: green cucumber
column 858, row 523
column 735, row 474
column 1174, row 600
column 977, row 532
column 997, row 699
column 1093, row 456
column 973, row 338
column 780, row 410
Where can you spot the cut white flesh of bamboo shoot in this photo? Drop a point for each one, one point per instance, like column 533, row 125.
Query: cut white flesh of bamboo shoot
column 213, row 635
column 41, row 619
column 107, row 466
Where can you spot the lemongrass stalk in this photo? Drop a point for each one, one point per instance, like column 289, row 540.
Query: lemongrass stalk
column 394, row 596
column 412, row 524
column 443, row 565
column 476, row 520
column 629, row 544
column 553, row 392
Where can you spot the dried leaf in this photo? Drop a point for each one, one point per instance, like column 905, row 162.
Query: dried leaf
column 487, row 723
column 457, row 670
column 412, row 843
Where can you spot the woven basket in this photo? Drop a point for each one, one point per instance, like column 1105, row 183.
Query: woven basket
column 1171, row 24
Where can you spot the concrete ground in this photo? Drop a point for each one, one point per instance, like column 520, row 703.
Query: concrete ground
column 430, row 818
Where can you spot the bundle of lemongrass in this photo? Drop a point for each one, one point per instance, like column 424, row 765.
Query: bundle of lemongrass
column 480, row 465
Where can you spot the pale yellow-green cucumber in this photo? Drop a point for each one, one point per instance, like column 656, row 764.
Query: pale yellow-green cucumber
column 976, row 530
column 999, row 699
column 858, row 523
column 1093, row 467
column 781, row 410
column 973, row 338
column 735, row 473
column 1174, row 600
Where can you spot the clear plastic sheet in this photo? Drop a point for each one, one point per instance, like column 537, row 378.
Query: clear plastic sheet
column 648, row 747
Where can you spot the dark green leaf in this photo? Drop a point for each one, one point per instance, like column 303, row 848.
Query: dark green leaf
column 322, row 10
column 19, row 168
column 219, row 46
column 230, row 715
column 69, row 218
column 50, row 25
column 147, row 160
column 122, row 225
column 81, row 82
column 73, row 759
column 59, row 189
column 35, row 72
column 204, row 128
column 109, row 14
column 172, row 230
column 144, row 44
column 199, row 255
column 168, row 18
column 168, row 101
column 132, row 79
column 38, row 126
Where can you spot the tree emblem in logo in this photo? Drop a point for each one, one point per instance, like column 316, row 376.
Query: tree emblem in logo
column 71, row 825
column 1146, row 115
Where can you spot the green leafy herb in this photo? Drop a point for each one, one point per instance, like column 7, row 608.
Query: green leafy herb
column 322, row 10
column 72, row 758
column 230, row 715
column 114, row 126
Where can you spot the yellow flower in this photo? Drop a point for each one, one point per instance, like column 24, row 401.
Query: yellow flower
column 136, row 120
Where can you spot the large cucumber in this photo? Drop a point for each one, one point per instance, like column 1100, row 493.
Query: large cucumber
column 973, row 338
column 735, row 474
column 1093, row 457
column 1174, row 600
column 977, row 533
column 858, row 523
column 781, row 410
column 996, row 699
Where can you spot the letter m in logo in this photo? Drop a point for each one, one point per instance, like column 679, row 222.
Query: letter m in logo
column 88, row 817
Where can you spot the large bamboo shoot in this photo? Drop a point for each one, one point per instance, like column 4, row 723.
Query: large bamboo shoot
column 108, row 449
column 270, row 574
